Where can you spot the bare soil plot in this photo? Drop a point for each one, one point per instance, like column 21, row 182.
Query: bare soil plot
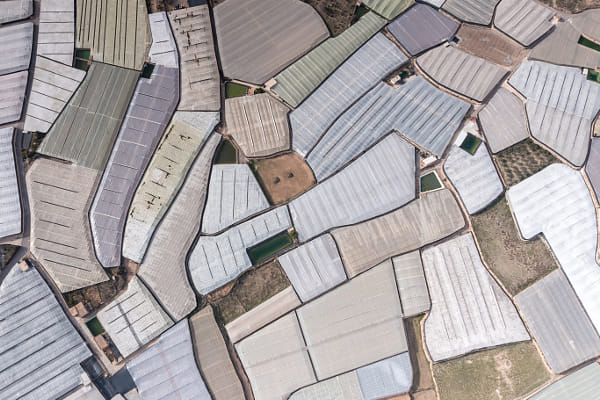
column 337, row 14
column 422, row 379
column 516, row 262
column 572, row 6
column 283, row 177
column 521, row 161
column 488, row 44
column 7, row 252
column 250, row 290
column 166, row 5
column 506, row 372
column 96, row 296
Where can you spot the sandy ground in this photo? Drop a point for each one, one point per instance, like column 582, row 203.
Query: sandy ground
column 284, row 177
column 572, row 6
column 516, row 262
column 488, row 44
column 248, row 291
column 503, row 373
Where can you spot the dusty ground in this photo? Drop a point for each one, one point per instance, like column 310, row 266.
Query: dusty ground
column 488, row 44
column 165, row 5
column 250, row 290
column 517, row 263
column 572, row 6
column 274, row 176
column 422, row 380
column 97, row 295
column 506, row 372
column 337, row 14
column 521, row 161
column 7, row 252
column 425, row 395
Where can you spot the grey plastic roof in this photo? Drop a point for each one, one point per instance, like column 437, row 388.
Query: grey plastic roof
column 52, row 87
column 420, row 222
column 474, row 177
column 213, row 357
column 561, row 47
column 14, row 10
column 168, row 369
column 416, row 109
column 233, row 195
column 462, row 72
column 200, row 79
column 339, row 387
column 557, row 203
column 276, row 360
column 503, row 120
column 258, row 124
column 410, row 277
column 85, row 131
column 56, row 35
column 387, row 377
column 365, row 310
column 592, row 167
column 381, row 180
column 367, row 66
column 421, row 28
column 561, row 105
column 10, row 204
column 382, row 379
column 581, row 385
column 15, row 47
column 150, row 109
column 163, row 50
column 163, row 269
column 475, row 11
column 134, row 318
column 259, row 38
column 523, row 20
column 469, row 310
column 261, row 315
column 558, row 323
column 12, row 87
column 314, row 267
column 301, row 78
column 216, row 260
column 120, row 38
column 184, row 137
column 59, row 196
column 388, row 8
column 41, row 350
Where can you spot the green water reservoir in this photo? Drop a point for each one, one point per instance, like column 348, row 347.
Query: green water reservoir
column 95, row 326
column 227, row 154
column 235, row 90
column 269, row 247
column 429, row 182
column 470, row 144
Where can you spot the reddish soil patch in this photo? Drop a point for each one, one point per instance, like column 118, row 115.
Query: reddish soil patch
column 283, row 177
column 486, row 43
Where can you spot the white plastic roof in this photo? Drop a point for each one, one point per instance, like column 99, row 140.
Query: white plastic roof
column 380, row 180
column 40, row 351
column 557, row 203
column 168, row 368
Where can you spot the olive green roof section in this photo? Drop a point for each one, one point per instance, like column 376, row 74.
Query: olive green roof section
column 116, row 31
column 389, row 9
column 301, row 78
column 85, row 131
